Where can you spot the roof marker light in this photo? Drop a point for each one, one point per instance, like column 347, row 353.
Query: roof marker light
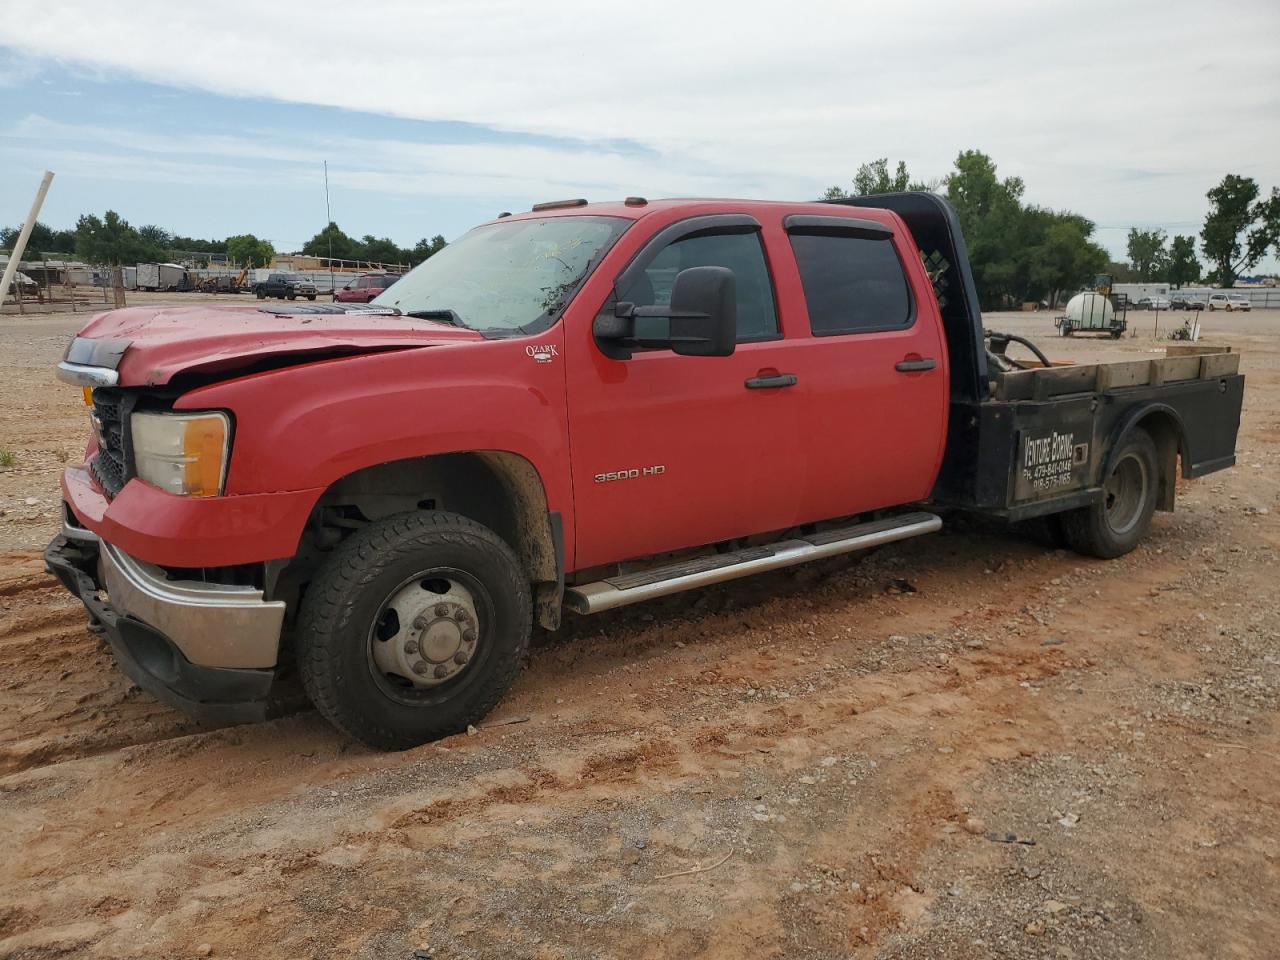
column 557, row 204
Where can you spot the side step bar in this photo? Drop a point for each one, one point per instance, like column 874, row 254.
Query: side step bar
column 659, row 582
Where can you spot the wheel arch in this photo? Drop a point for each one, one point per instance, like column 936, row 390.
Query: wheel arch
column 1164, row 425
column 497, row 488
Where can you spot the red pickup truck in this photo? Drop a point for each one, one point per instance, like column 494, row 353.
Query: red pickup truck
column 582, row 406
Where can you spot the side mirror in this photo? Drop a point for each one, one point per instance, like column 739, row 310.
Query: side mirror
column 702, row 320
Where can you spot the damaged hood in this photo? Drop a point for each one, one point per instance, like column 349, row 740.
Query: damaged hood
column 149, row 346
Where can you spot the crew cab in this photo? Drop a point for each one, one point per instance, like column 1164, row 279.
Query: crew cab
column 284, row 286
column 363, row 289
column 578, row 407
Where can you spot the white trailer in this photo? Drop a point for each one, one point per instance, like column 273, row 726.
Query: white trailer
column 161, row 276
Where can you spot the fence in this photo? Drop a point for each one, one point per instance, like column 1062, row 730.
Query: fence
column 1260, row 298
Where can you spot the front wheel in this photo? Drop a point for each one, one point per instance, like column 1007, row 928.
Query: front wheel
column 1115, row 524
column 311, row 296
column 414, row 629
column 260, row 294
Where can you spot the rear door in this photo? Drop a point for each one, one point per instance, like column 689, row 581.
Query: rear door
column 671, row 451
column 873, row 360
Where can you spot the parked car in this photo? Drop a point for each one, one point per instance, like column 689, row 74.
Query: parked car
column 1229, row 302
column 1182, row 302
column 284, row 286
column 363, row 289
column 1152, row 303
column 392, row 506
column 25, row 284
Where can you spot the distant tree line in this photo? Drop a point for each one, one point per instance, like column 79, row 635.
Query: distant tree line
column 332, row 242
column 1021, row 252
column 110, row 239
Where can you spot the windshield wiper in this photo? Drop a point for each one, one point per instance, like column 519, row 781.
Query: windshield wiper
column 443, row 316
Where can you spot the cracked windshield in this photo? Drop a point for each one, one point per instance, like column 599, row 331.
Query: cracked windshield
column 506, row 277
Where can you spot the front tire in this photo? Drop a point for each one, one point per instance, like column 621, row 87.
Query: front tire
column 395, row 681
column 259, row 294
column 311, row 296
column 1115, row 524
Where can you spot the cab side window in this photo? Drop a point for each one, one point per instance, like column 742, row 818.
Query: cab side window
column 851, row 284
column 740, row 252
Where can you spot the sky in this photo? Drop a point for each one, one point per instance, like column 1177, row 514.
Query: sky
column 434, row 116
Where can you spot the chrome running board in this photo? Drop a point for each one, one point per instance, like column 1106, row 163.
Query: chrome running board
column 702, row 571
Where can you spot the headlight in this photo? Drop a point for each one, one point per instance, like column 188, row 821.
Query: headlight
column 182, row 453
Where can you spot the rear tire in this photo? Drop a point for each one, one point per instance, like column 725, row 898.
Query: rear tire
column 349, row 617
column 1115, row 524
column 259, row 294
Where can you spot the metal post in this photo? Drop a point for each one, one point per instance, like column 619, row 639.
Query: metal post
column 21, row 244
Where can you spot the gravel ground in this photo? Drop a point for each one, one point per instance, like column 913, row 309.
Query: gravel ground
column 1033, row 755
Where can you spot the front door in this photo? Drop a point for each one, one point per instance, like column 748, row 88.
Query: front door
column 671, row 451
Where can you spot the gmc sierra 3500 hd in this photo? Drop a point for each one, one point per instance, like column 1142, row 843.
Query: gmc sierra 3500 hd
column 582, row 406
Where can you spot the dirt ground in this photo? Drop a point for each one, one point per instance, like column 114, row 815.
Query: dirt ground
column 805, row 764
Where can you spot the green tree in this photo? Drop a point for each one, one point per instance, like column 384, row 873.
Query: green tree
column 158, row 237
column 1147, row 253
column 1237, row 230
column 1184, row 267
column 425, row 248
column 1063, row 257
column 247, row 250
column 990, row 213
column 874, row 177
column 332, row 242
column 44, row 242
column 1120, row 272
column 381, row 250
column 111, row 240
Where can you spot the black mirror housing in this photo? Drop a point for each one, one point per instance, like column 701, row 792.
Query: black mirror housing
column 704, row 312
column 702, row 320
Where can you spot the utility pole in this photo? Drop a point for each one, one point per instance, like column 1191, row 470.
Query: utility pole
column 21, row 244
column 328, row 219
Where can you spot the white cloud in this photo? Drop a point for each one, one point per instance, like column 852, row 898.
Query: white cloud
column 1126, row 112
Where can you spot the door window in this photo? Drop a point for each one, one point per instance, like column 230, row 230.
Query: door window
column 740, row 252
column 851, row 284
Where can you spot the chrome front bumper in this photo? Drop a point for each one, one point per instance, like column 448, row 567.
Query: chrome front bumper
column 208, row 649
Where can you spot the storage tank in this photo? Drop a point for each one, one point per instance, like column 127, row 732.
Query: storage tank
column 1090, row 311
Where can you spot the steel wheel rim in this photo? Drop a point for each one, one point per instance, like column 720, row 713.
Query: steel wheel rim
column 1126, row 493
column 428, row 635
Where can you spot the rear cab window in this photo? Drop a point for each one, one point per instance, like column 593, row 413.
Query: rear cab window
column 851, row 275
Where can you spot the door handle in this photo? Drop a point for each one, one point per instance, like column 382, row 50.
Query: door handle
column 916, row 365
column 771, row 382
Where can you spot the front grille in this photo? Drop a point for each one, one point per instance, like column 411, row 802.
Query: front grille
column 110, row 464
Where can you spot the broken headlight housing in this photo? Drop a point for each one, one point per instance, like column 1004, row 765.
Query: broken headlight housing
column 182, row 453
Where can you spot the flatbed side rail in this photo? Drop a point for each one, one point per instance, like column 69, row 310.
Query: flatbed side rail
column 1181, row 364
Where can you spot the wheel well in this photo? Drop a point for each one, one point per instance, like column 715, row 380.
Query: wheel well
column 1165, row 430
column 499, row 489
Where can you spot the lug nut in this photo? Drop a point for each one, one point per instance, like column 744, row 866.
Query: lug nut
column 441, row 672
column 419, row 622
column 469, row 635
column 442, row 609
column 460, row 658
column 421, row 668
column 411, row 646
